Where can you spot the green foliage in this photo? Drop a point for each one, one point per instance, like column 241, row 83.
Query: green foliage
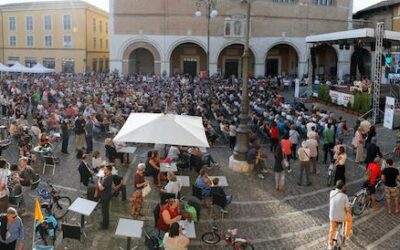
column 323, row 93
column 362, row 102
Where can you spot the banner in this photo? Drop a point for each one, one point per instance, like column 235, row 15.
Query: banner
column 389, row 112
column 341, row 98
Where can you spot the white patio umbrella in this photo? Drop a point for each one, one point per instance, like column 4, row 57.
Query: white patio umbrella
column 40, row 69
column 163, row 129
column 19, row 68
column 3, row 68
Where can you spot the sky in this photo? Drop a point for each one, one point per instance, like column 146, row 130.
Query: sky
column 103, row 4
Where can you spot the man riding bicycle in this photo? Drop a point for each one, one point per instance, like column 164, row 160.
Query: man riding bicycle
column 339, row 211
column 373, row 174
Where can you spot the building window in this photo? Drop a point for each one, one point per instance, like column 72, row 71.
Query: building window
column 227, row 29
column 67, row 22
column 94, row 43
column 48, row 41
column 13, row 41
column 101, row 26
column 29, row 41
column 106, row 27
column 322, row 2
column 283, row 1
column 94, row 65
column 94, row 24
column 29, row 23
column 101, row 43
column 68, row 66
column 67, row 41
column 106, row 43
column 49, row 63
column 101, row 62
column 234, row 26
column 47, row 23
column 12, row 23
column 30, row 62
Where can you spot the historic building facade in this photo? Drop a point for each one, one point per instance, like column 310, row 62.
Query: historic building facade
column 69, row 36
column 166, row 37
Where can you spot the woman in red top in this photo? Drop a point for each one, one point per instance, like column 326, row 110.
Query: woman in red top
column 169, row 213
column 274, row 134
column 374, row 172
column 286, row 149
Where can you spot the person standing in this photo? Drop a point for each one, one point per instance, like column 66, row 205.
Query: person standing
column 274, row 135
column 294, row 138
column 390, row 175
column 312, row 145
column 65, row 126
column 372, row 151
column 84, row 170
column 287, row 150
column 328, row 136
column 11, row 231
column 232, row 135
column 89, row 134
column 80, row 132
column 4, row 193
column 339, row 211
column 358, row 143
column 304, row 157
column 105, row 187
column 340, row 165
column 278, row 169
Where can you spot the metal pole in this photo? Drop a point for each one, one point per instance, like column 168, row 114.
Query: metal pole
column 208, row 41
column 242, row 142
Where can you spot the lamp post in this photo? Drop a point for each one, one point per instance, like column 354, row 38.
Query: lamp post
column 242, row 143
column 211, row 13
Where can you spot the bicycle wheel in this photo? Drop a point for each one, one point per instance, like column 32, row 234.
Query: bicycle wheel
column 210, row 238
column 380, row 192
column 245, row 246
column 359, row 205
column 60, row 207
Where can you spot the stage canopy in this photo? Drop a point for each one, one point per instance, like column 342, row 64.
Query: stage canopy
column 181, row 130
column 350, row 36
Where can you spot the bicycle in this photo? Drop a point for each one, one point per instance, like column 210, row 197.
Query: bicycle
column 340, row 236
column 53, row 203
column 331, row 174
column 362, row 198
column 214, row 236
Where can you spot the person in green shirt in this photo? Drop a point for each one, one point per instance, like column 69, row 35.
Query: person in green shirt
column 328, row 137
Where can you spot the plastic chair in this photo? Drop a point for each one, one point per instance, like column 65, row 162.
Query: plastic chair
column 15, row 200
column 35, row 182
column 49, row 161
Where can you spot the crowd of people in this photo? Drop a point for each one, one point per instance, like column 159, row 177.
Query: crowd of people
column 42, row 110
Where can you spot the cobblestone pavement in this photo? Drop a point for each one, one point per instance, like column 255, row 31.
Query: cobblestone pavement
column 296, row 218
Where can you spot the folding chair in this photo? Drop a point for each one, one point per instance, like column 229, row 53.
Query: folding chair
column 36, row 181
column 71, row 231
column 49, row 161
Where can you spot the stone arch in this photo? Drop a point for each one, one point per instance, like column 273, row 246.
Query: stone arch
column 229, row 60
column 324, row 61
column 282, row 58
column 188, row 58
column 178, row 42
column 132, row 45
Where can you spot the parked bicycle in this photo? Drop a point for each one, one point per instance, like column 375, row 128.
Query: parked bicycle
column 362, row 198
column 214, row 236
column 331, row 174
column 340, row 236
column 53, row 202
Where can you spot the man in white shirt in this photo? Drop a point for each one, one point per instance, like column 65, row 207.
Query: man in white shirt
column 173, row 186
column 339, row 209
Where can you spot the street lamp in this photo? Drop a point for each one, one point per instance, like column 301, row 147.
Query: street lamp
column 211, row 13
column 242, row 142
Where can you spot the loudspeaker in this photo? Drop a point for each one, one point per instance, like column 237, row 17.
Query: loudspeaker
column 341, row 46
column 347, row 46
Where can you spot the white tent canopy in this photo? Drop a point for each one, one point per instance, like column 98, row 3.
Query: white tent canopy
column 4, row 68
column 163, row 129
column 40, row 69
column 17, row 67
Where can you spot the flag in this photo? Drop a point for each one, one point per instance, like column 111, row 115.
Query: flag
column 38, row 212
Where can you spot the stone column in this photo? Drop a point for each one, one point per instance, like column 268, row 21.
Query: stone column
column 259, row 69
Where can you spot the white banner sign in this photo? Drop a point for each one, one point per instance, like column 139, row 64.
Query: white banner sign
column 341, row 98
column 389, row 112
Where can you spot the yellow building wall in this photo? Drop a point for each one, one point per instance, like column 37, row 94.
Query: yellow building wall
column 396, row 20
column 1, row 39
column 98, row 52
column 78, row 30
column 58, row 54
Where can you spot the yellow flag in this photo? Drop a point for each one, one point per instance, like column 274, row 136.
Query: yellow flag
column 38, row 211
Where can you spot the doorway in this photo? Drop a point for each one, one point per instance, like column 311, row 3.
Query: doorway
column 231, row 68
column 190, row 67
column 272, row 67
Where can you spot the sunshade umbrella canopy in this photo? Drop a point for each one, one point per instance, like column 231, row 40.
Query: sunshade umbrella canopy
column 163, row 129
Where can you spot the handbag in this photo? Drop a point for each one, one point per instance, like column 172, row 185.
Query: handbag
column 146, row 190
column 285, row 163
